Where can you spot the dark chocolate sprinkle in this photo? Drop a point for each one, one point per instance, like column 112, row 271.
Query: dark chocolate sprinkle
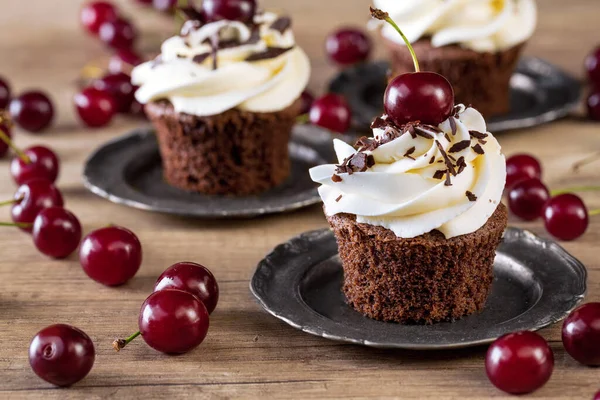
column 282, row 24
column 460, row 146
column 439, row 174
column 366, row 144
column 338, row 198
column 336, row 178
column 379, row 123
column 453, row 126
column 409, row 152
column 448, row 181
column 199, row 58
column 432, row 160
column 478, row 135
column 461, row 164
column 269, row 53
column 478, row 149
column 447, row 137
column 426, row 131
column 446, row 158
column 471, row 196
column 180, row 56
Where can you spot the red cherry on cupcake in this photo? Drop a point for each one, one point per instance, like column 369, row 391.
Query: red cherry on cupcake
column 171, row 321
column 34, row 162
column 32, row 111
column 95, row 107
column 56, row 232
column 521, row 167
column 581, row 334
column 118, row 33
column 119, row 87
column 193, row 278
column 519, row 363
column 31, row 198
column 419, row 96
column 331, row 112
column 347, row 46
column 95, row 13
column 527, row 198
column 233, row 10
column 61, row 354
column 566, row 216
column 4, row 93
column 111, row 255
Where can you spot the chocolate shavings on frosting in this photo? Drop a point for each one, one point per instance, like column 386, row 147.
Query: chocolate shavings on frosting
column 200, row 58
column 461, row 164
column 439, row 174
column 409, row 152
column 458, row 109
column 478, row 149
column 460, row 146
column 336, row 178
column 453, row 126
column 471, row 196
column 379, row 123
column 282, row 24
column 446, row 159
column 432, row 160
column 358, row 162
column 269, row 53
column 478, row 135
column 366, row 144
column 448, row 181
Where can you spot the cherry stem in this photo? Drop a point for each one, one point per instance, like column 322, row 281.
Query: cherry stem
column 383, row 16
column 17, row 224
column 575, row 189
column 119, row 344
column 4, row 137
column 594, row 212
column 9, row 202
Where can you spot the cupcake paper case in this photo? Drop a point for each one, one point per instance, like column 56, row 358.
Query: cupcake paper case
column 223, row 123
column 416, row 212
column 475, row 44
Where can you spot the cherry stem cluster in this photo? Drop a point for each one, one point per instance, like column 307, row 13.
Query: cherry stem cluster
column 383, row 16
column 4, row 120
column 119, row 344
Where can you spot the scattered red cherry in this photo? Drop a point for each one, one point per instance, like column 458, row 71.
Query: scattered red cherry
column 32, row 111
column 193, row 278
column 233, row 10
column 56, row 232
column 4, row 147
column 527, row 198
column 123, row 61
column 348, row 46
column 519, row 363
column 118, row 33
column 119, row 87
column 61, row 354
column 164, row 5
column 597, row 395
column 592, row 66
column 581, row 334
column 307, row 101
column 566, row 216
column 521, row 167
column 331, row 112
column 4, row 93
column 95, row 107
column 35, row 162
column 593, row 105
column 111, row 255
column 95, row 13
column 31, row 198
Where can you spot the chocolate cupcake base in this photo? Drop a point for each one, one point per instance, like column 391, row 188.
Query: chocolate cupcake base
column 479, row 79
column 425, row 279
column 233, row 153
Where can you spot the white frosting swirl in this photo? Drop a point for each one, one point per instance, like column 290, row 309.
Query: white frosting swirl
column 399, row 192
column 195, row 88
column 480, row 25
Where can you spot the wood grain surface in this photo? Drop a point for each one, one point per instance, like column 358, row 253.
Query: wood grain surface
column 248, row 354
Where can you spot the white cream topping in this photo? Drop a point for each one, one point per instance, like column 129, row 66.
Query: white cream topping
column 399, row 192
column 196, row 88
column 480, row 25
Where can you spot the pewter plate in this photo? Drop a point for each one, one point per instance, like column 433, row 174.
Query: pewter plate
column 128, row 171
column 540, row 93
column 536, row 283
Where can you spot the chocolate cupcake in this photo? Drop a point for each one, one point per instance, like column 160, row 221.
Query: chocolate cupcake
column 417, row 216
column 223, row 97
column 475, row 44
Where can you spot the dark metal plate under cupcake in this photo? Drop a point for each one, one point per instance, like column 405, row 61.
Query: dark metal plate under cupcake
column 536, row 283
column 128, row 171
column 540, row 93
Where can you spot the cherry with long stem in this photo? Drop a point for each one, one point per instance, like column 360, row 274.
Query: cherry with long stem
column 119, row 344
column 22, row 225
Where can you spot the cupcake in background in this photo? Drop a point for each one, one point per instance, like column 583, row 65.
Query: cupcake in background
column 475, row 44
column 223, row 96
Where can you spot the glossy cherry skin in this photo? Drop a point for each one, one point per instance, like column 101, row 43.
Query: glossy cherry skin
column 32, row 111
column 519, row 363
column 123, row 60
column 61, row 354
column 3, row 145
column 111, row 255
column 173, row 321
column 56, row 232
column 593, row 106
column 597, row 395
column 307, row 101
column 120, row 88
column 95, row 14
column 96, row 108
column 419, row 96
column 348, row 46
column 331, row 112
column 581, row 334
column 118, row 33
column 566, row 216
column 526, row 199
column 193, row 278
column 233, row 10
column 4, row 93
column 521, row 167
column 33, row 197
column 43, row 163
column 592, row 66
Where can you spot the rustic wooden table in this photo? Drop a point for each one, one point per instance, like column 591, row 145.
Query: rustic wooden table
column 248, row 353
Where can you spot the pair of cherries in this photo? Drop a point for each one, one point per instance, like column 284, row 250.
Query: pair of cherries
column 565, row 214
column 523, row 362
column 31, row 110
column 174, row 319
